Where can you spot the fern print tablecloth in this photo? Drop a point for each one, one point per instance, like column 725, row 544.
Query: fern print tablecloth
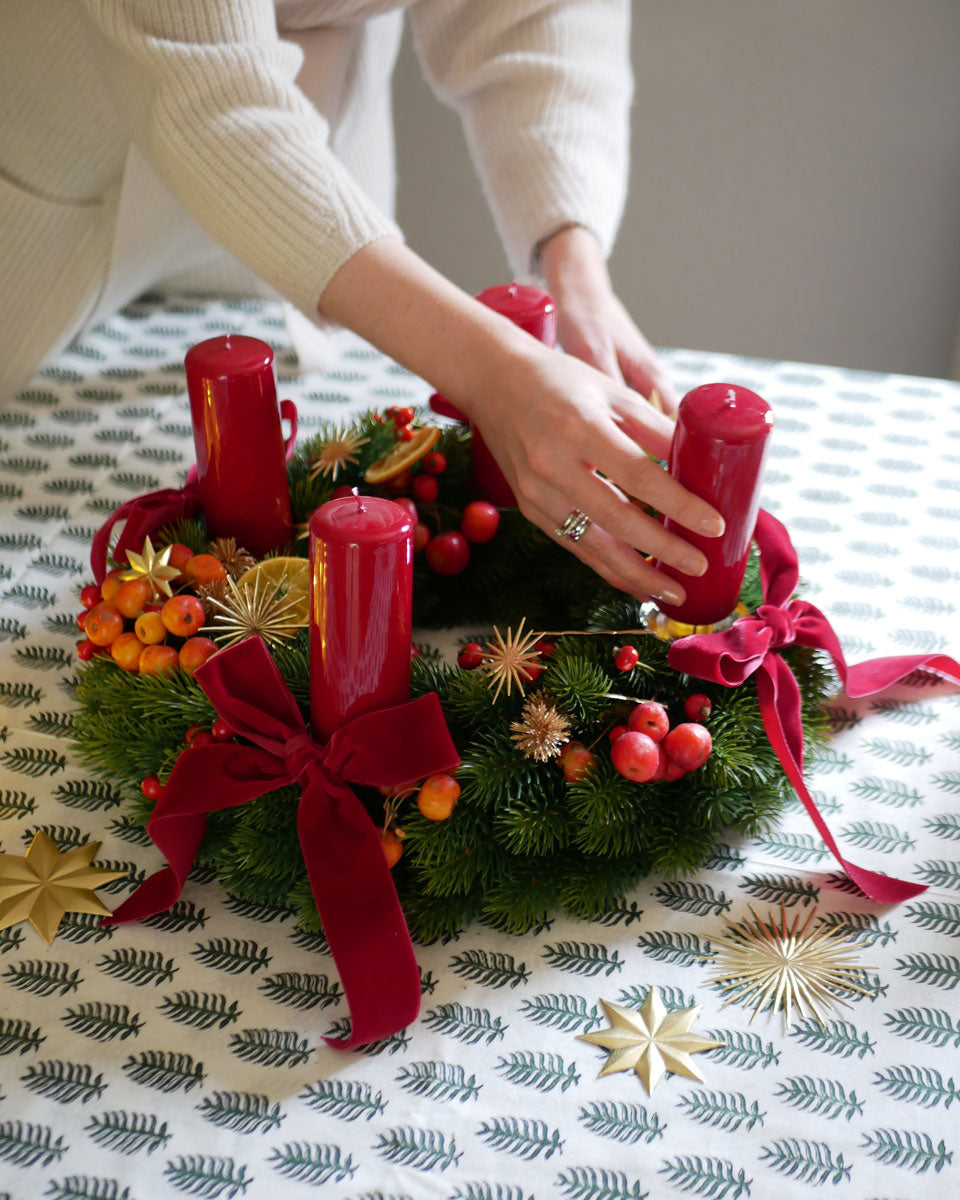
column 182, row 1057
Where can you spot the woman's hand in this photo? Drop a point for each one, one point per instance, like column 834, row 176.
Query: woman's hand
column 591, row 322
column 565, row 435
column 568, row 437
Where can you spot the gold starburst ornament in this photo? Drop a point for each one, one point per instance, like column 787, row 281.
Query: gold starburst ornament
column 541, row 730
column 774, row 964
column 263, row 608
column 339, row 450
column 650, row 1041
column 45, row 884
column 511, row 661
column 153, row 566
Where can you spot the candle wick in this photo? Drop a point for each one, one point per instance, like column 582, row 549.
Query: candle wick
column 356, row 496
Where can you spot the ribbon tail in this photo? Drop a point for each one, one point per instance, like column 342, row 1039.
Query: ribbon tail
column 877, row 674
column 778, row 694
column 360, row 912
column 204, row 780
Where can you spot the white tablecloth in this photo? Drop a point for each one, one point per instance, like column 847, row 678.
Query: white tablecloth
column 183, row 1057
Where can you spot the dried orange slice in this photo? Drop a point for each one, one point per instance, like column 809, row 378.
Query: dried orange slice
column 293, row 577
column 403, row 455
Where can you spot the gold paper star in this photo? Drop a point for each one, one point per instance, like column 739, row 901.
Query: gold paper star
column 651, row 1041
column 335, row 453
column 781, row 965
column 506, row 661
column 45, row 884
column 153, row 566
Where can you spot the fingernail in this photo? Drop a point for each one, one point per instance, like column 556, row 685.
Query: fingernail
column 669, row 597
column 693, row 566
column 713, row 526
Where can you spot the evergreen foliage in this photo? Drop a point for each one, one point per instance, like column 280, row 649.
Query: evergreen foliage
column 522, row 842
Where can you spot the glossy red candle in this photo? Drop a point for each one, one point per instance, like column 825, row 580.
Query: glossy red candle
column 241, row 457
column 718, row 452
column 361, row 565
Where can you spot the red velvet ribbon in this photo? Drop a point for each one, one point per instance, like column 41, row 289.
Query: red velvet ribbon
column 749, row 647
column 144, row 516
column 351, row 882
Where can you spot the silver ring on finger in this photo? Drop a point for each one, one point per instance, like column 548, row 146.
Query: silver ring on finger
column 574, row 525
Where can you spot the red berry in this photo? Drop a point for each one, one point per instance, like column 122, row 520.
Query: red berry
column 470, row 656
column 421, row 535
column 191, row 734
column 85, row 650
column 627, row 658
column 404, row 433
column 425, row 488
column 697, row 707
column 533, row 672
column 635, row 756
column 415, row 652
column 688, row 745
column 151, row 787
column 576, row 760
column 221, row 731
column 391, row 412
column 546, row 649
column 398, row 483
column 339, row 493
column 81, row 619
column 447, row 553
column 480, row 521
column 650, row 718
column 403, row 416
column 673, row 771
column 435, row 463
column 663, row 764
column 616, row 731
column 90, row 595
column 203, row 738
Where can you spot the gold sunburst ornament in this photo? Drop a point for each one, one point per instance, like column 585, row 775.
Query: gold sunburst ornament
column 263, row 608
column 541, row 730
column 335, row 453
column 153, row 566
column 778, row 965
column 508, row 660
column 650, row 1041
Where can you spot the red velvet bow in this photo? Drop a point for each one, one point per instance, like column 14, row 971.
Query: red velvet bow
column 144, row 516
column 749, row 646
column 348, row 873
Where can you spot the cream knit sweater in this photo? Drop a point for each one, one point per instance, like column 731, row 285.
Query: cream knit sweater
column 144, row 138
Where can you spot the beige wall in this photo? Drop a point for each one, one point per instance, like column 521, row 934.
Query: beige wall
column 795, row 183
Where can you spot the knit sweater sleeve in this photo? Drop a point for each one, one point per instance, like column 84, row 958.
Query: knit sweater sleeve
column 543, row 88
column 207, row 91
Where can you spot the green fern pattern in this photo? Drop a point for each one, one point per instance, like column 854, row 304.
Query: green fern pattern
column 64, row 1082
column 422, row 1149
column 940, row 970
column 129, row 1132
column 439, row 1081
column 207, row 1177
column 139, row 967
column 270, row 1047
column 697, row 898
column 744, row 1050
column 538, row 1070
column 713, row 1177
column 919, row 1085
column 907, row 1148
column 165, row 1071
column 597, row 1183
column 561, row 1012
column 43, row 978
column 85, row 1187
column 582, row 958
column 525, row 1137
column 621, row 1122
column 931, row 1025
column 682, row 949
column 301, row 991
column 722, row 1110
column 470, row 1025
column 240, row 1112
column 489, row 969
column 809, row 1162
column 23, row 1144
column 833, row 1037
column 200, row 1010
column 346, row 1100
column 826, row 1097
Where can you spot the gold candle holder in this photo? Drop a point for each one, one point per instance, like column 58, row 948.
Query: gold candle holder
column 668, row 630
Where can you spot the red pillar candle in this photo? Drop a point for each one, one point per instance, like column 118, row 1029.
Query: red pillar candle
column 361, row 565
column 241, row 457
column 718, row 452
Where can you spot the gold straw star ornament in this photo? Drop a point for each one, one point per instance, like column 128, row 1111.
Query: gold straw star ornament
column 651, row 1041
column 335, row 453
column 45, row 884
column 511, row 660
column 153, row 566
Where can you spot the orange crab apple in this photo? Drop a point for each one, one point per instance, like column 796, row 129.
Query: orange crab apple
column 437, row 796
column 103, row 624
column 194, row 653
column 204, row 569
column 131, row 597
column 157, row 660
column 183, row 615
column 126, row 651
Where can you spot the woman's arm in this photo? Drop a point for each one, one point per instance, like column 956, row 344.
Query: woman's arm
column 552, row 421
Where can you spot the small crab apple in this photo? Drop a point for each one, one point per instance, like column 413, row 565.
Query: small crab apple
column 470, row 656
column 697, row 707
column 179, row 555
column 425, row 488
column 202, row 570
column 126, row 650
column 635, row 756
column 480, row 521
column 576, row 760
column 194, row 653
column 650, row 718
column 435, row 463
column 437, row 796
column 183, row 615
column 90, row 595
column 616, row 731
column 131, row 597
column 688, row 745
column 447, row 553
column 158, row 660
column 392, row 847
column 421, row 535
column 103, row 624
